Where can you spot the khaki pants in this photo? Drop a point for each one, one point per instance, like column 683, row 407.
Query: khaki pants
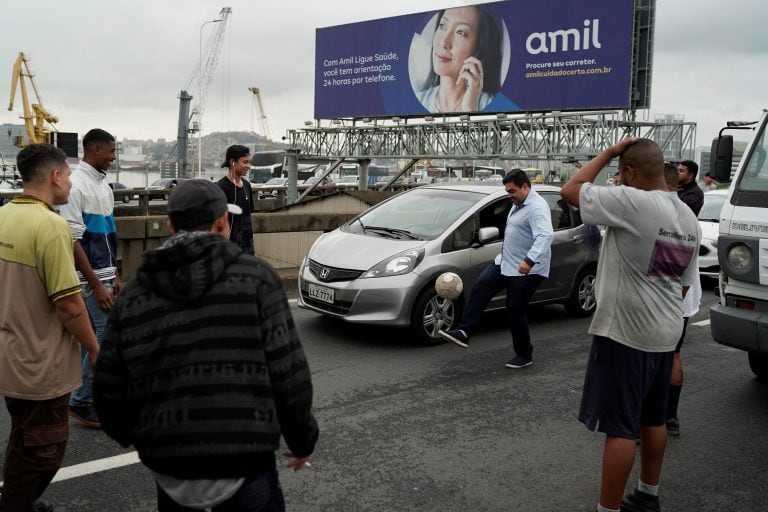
column 38, row 438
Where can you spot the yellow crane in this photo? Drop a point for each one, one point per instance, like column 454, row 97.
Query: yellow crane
column 35, row 115
column 263, row 124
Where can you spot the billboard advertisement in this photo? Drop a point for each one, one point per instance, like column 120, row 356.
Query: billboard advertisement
column 511, row 56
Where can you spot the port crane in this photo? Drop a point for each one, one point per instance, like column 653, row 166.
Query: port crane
column 35, row 115
column 262, row 117
column 201, row 80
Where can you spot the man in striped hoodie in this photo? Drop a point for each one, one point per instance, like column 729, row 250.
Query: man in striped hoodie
column 202, row 367
column 90, row 213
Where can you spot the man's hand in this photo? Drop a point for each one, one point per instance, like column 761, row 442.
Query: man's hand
column 617, row 149
column 523, row 267
column 296, row 463
column 104, row 296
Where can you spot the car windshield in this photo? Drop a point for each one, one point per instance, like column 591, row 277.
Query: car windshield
column 348, row 179
column 713, row 203
column 424, row 213
column 276, row 181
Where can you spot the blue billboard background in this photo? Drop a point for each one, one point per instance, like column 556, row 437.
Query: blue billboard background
column 555, row 55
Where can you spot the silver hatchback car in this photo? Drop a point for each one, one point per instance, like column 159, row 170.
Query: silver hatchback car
column 380, row 267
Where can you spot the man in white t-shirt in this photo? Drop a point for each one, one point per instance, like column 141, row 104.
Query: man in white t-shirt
column 647, row 261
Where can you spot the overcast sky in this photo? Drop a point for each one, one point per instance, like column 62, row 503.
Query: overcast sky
column 119, row 65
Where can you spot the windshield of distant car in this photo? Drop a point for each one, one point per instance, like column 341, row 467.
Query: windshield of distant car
column 423, row 212
column 276, row 181
column 713, row 203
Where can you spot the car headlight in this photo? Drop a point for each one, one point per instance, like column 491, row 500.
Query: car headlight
column 396, row 265
column 740, row 257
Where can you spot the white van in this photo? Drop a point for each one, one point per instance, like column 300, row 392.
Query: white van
column 740, row 320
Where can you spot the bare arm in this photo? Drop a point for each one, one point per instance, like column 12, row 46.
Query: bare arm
column 588, row 173
column 73, row 314
column 103, row 295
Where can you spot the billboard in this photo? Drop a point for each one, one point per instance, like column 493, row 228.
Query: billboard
column 511, row 56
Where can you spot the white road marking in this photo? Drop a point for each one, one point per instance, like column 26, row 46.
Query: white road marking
column 293, row 303
column 95, row 466
column 701, row 323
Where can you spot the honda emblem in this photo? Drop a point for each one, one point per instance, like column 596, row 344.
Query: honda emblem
column 324, row 273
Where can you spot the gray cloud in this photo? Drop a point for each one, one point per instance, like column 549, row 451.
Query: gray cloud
column 121, row 64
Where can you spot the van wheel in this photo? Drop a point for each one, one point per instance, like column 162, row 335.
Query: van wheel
column 432, row 313
column 582, row 300
column 758, row 363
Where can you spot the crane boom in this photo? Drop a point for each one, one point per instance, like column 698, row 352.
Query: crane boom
column 199, row 82
column 35, row 115
column 262, row 116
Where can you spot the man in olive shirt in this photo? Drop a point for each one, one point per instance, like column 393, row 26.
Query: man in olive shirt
column 42, row 320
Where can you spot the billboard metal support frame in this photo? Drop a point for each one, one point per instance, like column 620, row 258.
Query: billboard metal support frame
column 533, row 136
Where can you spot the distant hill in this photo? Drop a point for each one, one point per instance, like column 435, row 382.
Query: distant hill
column 214, row 145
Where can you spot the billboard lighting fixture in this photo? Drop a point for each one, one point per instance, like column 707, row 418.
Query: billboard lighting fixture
column 396, row 119
column 336, row 121
column 464, row 117
column 309, row 123
column 366, row 120
column 501, row 115
column 429, row 119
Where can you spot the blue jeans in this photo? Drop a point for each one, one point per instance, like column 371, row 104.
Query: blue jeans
column 84, row 394
column 261, row 493
column 520, row 289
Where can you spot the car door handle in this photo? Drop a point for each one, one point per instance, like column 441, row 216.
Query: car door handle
column 578, row 238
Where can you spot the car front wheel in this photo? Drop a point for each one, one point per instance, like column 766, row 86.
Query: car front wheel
column 582, row 300
column 432, row 313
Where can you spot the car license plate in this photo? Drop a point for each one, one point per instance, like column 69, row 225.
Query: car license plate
column 321, row 293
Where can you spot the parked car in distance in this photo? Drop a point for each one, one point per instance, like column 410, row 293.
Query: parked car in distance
column 163, row 184
column 317, row 182
column 709, row 220
column 10, row 185
column 126, row 198
column 270, row 193
column 380, row 267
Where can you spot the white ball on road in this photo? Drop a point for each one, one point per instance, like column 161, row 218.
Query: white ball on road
column 449, row 285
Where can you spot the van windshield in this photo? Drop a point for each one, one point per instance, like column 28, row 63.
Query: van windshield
column 755, row 175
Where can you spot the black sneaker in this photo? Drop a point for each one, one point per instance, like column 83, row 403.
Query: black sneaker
column 43, row 506
column 639, row 501
column 86, row 415
column 457, row 336
column 673, row 427
column 518, row 362
column 40, row 506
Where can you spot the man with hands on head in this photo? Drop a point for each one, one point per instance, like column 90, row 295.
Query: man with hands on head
column 652, row 239
column 43, row 324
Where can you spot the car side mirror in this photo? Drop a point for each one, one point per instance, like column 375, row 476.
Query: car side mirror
column 487, row 234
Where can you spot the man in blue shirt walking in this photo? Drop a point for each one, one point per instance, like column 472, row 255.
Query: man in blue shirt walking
column 520, row 268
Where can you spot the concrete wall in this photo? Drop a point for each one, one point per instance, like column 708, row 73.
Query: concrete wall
column 138, row 234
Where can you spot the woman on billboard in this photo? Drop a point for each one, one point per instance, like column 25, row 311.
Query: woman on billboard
column 466, row 61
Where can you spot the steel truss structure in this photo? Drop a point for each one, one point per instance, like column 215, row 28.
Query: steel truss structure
column 563, row 136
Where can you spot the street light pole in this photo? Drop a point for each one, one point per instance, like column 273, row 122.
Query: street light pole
column 199, row 107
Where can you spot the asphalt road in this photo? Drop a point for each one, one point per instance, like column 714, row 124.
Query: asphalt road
column 407, row 428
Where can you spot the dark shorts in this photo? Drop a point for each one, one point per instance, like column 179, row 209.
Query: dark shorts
column 624, row 388
column 682, row 336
